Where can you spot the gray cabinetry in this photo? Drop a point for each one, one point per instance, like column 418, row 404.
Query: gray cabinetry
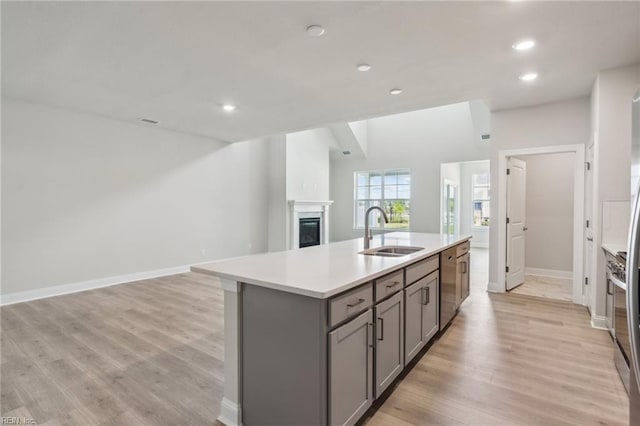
column 389, row 347
column 351, row 370
column 421, row 317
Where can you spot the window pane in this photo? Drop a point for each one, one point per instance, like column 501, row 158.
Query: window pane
column 404, row 178
column 390, row 192
column 363, row 192
column 390, row 178
column 481, row 193
column 375, row 179
column 404, row 191
column 363, row 179
column 375, row 192
column 481, row 179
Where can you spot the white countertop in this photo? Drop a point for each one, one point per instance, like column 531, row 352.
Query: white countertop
column 614, row 248
column 326, row 270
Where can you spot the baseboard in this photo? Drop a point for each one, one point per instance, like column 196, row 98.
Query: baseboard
column 494, row 288
column 59, row 290
column 230, row 413
column 548, row 273
column 479, row 245
column 599, row 322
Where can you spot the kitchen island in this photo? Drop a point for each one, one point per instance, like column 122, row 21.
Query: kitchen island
column 314, row 335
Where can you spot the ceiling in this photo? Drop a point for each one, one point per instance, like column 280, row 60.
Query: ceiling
column 178, row 62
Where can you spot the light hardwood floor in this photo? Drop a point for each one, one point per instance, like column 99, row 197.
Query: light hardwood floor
column 151, row 353
column 549, row 287
column 147, row 353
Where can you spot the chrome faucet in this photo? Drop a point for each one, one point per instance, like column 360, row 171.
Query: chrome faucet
column 367, row 232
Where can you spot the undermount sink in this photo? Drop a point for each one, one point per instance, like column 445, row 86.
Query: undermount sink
column 391, row 251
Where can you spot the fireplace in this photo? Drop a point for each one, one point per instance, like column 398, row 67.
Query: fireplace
column 309, row 231
column 308, row 223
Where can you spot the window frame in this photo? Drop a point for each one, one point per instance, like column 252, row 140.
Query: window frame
column 383, row 174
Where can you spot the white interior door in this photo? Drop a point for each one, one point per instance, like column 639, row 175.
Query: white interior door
column 588, row 231
column 516, row 180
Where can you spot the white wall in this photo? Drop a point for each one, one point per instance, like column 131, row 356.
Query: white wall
column 560, row 123
column 419, row 141
column 480, row 234
column 278, row 230
column 549, row 213
column 308, row 164
column 85, row 197
column 611, row 126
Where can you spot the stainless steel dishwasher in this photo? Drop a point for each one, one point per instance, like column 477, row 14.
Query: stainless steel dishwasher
column 448, row 283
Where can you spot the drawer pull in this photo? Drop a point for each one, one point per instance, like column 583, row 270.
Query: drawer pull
column 395, row 283
column 353, row 305
column 381, row 320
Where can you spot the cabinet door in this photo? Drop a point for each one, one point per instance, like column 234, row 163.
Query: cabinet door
column 414, row 322
column 389, row 347
column 431, row 316
column 351, row 370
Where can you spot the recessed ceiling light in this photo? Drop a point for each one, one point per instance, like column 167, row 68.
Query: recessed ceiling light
column 524, row 45
column 315, row 30
column 229, row 107
column 530, row 76
column 364, row 67
column 395, row 91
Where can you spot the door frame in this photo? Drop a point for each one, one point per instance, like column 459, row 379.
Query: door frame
column 578, row 213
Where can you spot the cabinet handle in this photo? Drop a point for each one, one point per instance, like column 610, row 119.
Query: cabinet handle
column 428, row 295
column 370, row 334
column 353, row 305
column 381, row 320
column 609, row 291
column 464, row 269
column 395, row 283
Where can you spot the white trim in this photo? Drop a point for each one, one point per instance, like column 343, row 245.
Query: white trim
column 230, row 413
column 231, row 404
column 578, row 212
column 599, row 322
column 479, row 245
column 554, row 273
column 495, row 288
column 59, row 290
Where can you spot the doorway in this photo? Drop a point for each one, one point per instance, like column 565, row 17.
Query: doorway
column 450, row 208
column 541, row 205
column 465, row 200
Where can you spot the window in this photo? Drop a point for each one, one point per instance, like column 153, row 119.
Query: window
column 480, row 199
column 389, row 189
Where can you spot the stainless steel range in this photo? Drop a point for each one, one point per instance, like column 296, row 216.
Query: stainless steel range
column 617, row 287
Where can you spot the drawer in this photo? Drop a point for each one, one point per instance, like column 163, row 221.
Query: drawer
column 350, row 304
column 421, row 269
column 389, row 284
column 463, row 248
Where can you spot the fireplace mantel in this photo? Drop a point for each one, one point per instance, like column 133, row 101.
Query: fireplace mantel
column 308, row 208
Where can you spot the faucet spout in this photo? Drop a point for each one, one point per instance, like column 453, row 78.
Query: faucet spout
column 367, row 231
